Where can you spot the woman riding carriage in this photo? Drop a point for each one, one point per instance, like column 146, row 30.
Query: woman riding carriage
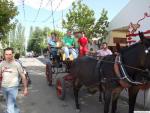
column 53, row 49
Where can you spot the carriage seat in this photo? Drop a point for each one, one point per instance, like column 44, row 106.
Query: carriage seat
column 63, row 56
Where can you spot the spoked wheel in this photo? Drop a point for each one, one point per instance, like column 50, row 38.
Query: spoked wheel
column 49, row 73
column 60, row 88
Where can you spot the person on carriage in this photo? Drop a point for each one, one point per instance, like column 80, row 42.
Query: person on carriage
column 103, row 51
column 68, row 45
column 92, row 47
column 83, row 44
column 52, row 47
column 76, row 45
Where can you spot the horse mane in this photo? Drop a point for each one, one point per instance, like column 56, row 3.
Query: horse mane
column 124, row 49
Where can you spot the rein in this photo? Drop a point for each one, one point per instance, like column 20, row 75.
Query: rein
column 125, row 75
column 123, row 71
column 125, row 65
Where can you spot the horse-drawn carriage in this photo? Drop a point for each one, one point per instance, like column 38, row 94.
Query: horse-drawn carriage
column 58, row 65
column 134, row 66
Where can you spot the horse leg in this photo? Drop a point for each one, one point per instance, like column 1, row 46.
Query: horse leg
column 133, row 91
column 76, row 87
column 100, row 93
column 107, row 98
column 115, row 96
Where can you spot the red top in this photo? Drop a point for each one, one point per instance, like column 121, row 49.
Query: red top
column 83, row 41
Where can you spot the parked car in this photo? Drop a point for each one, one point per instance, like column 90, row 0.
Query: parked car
column 29, row 54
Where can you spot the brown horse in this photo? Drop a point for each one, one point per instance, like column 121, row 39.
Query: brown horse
column 134, row 65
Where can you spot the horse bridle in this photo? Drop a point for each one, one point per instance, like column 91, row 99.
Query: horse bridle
column 147, row 50
column 123, row 70
column 125, row 75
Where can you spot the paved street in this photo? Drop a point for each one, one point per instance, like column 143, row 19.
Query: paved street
column 43, row 99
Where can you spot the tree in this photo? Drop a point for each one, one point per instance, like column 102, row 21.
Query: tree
column 38, row 39
column 7, row 13
column 31, row 32
column 100, row 28
column 35, row 41
column 79, row 18
column 17, row 38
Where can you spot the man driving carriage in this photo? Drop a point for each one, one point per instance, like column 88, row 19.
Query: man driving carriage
column 52, row 48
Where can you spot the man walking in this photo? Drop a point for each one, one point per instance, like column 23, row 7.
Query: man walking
column 10, row 70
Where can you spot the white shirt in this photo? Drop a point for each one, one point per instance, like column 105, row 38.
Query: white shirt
column 103, row 52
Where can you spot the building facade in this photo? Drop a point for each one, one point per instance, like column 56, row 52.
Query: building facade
column 134, row 17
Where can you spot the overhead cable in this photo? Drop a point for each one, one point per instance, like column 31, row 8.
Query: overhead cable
column 24, row 14
column 38, row 11
column 53, row 11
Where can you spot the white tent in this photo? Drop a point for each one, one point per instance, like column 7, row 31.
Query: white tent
column 132, row 12
column 134, row 17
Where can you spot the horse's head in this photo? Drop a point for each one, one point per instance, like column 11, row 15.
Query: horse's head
column 146, row 54
column 137, row 56
column 145, row 41
column 146, row 45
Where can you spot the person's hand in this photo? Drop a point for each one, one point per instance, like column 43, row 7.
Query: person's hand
column 25, row 92
column 71, row 47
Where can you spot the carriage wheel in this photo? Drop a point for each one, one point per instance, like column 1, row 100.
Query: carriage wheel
column 60, row 88
column 49, row 73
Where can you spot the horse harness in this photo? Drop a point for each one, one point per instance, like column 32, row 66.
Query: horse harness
column 121, row 74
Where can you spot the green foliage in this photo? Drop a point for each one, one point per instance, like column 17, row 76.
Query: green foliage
column 17, row 38
column 34, row 41
column 38, row 39
column 100, row 28
column 7, row 12
column 48, row 31
column 80, row 18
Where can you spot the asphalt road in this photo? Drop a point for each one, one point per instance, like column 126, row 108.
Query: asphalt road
column 43, row 99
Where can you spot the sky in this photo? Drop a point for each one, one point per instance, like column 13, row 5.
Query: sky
column 39, row 12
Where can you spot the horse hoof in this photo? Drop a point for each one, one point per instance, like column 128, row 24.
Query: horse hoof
column 78, row 110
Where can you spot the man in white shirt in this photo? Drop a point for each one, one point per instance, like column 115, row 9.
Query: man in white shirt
column 104, row 51
column 10, row 70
